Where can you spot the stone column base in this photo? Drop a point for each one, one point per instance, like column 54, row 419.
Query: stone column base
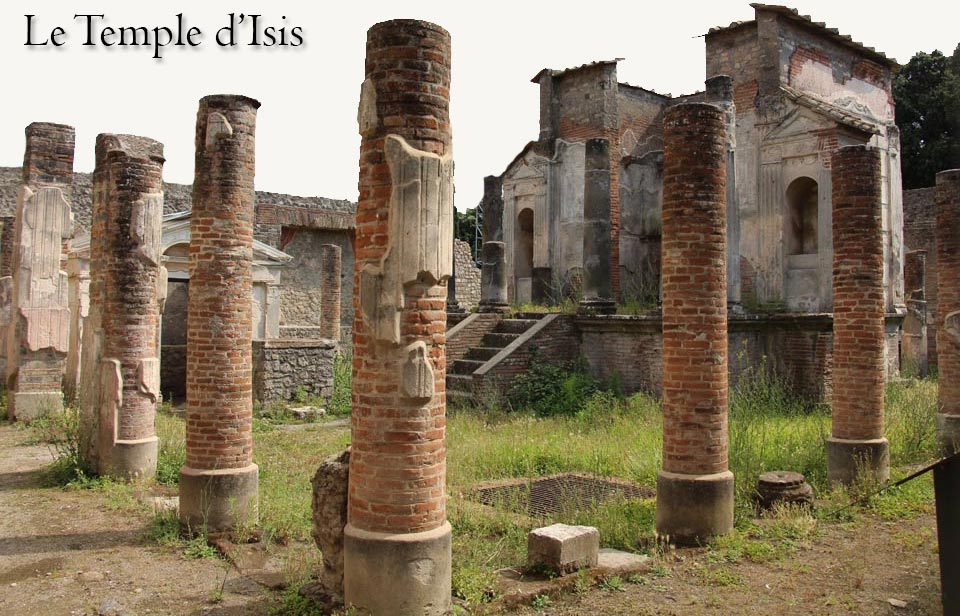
column 493, row 307
column 218, row 500
column 948, row 429
column 694, row 508
column 597, row 306
column 850, row 461
column 30, row 405
column 397, row 575
column 134, row 459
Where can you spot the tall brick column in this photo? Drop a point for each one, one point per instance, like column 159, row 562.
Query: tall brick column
column 597, row 285
column 493, row 269
column 39, row 329
column 857, row 447
column 948, row 310
column 126, row 222
column 695, row 487
column 330, row 260
column 397, row 539
column 218, row 483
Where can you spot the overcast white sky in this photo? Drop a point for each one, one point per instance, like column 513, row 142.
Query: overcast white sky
column 307, row 141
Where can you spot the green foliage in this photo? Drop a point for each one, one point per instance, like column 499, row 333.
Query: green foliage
column 541, row 602
column 63, row 434
column 198, row 548
column 927, row 95
column 552, row 389
column 464, row 228
column 172, row 454
column 340, row 402
column 613, row 583
column 164, row 528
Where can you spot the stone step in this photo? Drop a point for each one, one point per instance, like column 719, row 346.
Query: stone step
column 514, row 326
column 466, row 366
column 460, row 383
column 482, row 353
column 498, row 340
column 529, row 316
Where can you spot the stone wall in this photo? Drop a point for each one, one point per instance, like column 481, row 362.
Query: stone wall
column 919, row 233
column 467, row 275
column 300, row 281
column 281, row 368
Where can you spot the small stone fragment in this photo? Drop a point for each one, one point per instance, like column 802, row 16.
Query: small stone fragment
column 562, row 548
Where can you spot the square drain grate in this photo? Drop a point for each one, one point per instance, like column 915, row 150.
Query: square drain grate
column 546, row 496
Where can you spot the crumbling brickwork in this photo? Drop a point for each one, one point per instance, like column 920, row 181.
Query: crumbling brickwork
column 218, row 484
column 121, row 382
column 948, row 290
column 859, row 369
column 39, row 322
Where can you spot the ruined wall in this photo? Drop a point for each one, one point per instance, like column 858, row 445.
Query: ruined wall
column 640, row 115
column 467, row 275
column 641, row 198
column 283, row 368
column 300, row 281
column 919, row 233
column 736, row 53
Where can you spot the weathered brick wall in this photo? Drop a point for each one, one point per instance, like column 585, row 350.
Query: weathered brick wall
column 469, row 333
column 467, row 275
column 640, row 114
column 628, row 350
column 858, row 306
column 283, row 368
column 300, row 281
column 920, row 233
column 948, row 281
column 736, row 53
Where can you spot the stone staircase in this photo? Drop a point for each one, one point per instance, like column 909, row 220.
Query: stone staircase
column 460, row 380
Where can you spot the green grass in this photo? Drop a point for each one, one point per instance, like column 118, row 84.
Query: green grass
column 606, row 435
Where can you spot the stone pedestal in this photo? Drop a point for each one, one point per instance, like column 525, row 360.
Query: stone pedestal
column 218, row 484
column 695, row 487
column 783, row 488
column 493, row 278
column 397, row 539
column 857, row 448
column 597, row 285
column 948, row 309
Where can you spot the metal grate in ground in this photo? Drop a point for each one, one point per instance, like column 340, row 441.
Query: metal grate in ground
column 547, row 496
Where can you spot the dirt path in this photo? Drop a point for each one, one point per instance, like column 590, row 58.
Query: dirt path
column 68, row 552
column 843, row 570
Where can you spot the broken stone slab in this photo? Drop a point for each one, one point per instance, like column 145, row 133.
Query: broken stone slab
column 563, row 548
column 329, row 519
column 307, row 413
column 783, row 487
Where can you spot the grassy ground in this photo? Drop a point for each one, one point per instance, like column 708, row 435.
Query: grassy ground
column 608, row 436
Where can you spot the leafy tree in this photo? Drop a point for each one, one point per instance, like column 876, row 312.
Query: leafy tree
column 927, row 93
column 464, row 225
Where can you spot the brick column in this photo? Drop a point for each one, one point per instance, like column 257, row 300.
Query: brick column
column 39, row 330
column 218, row 483
column 397, row 539
column 597, row 285
column 330, row 291
column 857, row 446
column 948, row 309
column 695, row 487
column 127, row 214
column 78, row 280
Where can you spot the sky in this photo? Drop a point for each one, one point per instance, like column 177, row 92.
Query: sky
column 307, row 140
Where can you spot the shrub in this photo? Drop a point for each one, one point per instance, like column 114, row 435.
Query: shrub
column 552, row 389
column 340, row 400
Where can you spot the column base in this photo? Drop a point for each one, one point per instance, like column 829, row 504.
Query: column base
column 948, row 430
column 134, row 459
column 850, row 461
column 493, row 307
column 397, row 575
column 597, row 306
column 218, row 500
column 694, row 508
column 27, row 406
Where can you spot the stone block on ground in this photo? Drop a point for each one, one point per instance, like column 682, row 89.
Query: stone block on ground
column 329, row 519
column 563, row 548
